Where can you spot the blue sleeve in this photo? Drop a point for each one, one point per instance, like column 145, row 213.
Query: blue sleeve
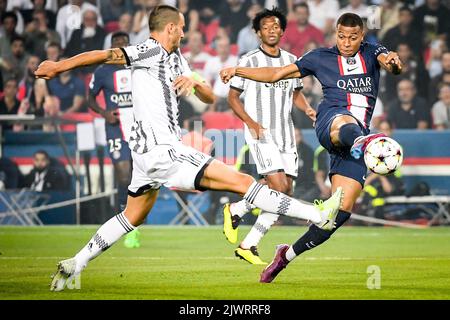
column 376, row 49
column 307, row 63
column 96, row 83
column 79, row 88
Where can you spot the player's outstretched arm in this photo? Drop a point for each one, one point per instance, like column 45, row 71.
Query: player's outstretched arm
column 50, row 69
column 265, row 74
column 391, row 62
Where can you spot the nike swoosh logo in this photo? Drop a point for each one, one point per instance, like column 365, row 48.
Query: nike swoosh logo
column 364, row 178
column 350, row 70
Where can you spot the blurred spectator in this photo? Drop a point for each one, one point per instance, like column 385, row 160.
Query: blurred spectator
column 305, row 184
column 53, row 51
column 14, row 65
column 403, row 32
column 233, row 17
column 39, row 5
column 69, row 18
column 444, row 77
column 389, row 16
column 322, row 14
column 433, row 59
column 7, row 32
column 196, row 56
column 433, row 18
column 441, row 109
column 140, row 19
column 37, row 34
column 203, row 17
column 223, row 59
column 299, row 32
column 125, row 25
column 44, row 176
column 10, row 176
column 9, row 104
column 247, row 39
column 89, row 37
column 111, row 10
column 300, row 119
column 413, row 69
column 70, row 90
column 408, row 111
column 26, row 84
column 358, row 7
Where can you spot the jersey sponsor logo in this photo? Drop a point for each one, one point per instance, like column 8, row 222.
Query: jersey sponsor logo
column 356, row 85
column 122, row 81
column 282, row 84
column 122, row 99
column 351, row 61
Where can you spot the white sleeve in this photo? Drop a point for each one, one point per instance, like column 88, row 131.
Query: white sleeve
column 144, row 54
column 238, row 82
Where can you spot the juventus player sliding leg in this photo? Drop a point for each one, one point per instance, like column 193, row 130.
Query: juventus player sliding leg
column 159, row 74
column 115, row 82
column 349, row 73
column 269, row 129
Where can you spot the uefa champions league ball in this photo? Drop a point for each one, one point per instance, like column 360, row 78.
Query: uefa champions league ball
column 383, row 155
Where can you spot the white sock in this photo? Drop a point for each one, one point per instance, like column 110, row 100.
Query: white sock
column 290, row 254
column 276, row 202
column 241, row 208
column 111, row 231
column 260, row 228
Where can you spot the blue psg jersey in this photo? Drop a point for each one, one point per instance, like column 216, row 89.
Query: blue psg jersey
column 115, row 81
column 348, row 83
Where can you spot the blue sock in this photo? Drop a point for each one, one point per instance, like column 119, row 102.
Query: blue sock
column 316, row 236
column 348, row 133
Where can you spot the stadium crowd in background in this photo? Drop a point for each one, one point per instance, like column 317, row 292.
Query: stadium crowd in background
column 217, row 34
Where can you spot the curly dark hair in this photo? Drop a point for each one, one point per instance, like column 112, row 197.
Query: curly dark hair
column 269, row 13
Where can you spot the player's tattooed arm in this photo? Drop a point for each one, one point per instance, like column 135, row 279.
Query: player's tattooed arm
column 50, row 69
column 265, row 74
column 391, row 62
column 116, row 56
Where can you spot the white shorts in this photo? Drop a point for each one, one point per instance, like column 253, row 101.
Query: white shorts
column 269, row 159
column 176, row 166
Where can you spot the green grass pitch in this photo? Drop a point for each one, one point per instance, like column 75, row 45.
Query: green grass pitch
column 198, row 263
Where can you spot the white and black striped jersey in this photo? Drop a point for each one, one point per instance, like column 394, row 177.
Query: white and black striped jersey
column 269, row 104
column 155, row 102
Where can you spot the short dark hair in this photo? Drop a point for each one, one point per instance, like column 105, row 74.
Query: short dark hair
column 269, row 13
column 9, row 14
column 119, row 34
column 301, row 5
column 350, row 20
column 406, row 8
column 54, row 44
column 161, row 16
column 17, row 38
column 41, row 151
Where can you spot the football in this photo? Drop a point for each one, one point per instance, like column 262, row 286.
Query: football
column 383, row 155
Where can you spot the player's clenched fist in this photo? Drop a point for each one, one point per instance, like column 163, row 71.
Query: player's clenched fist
column 393, row 59
column 46, row 70
column 227, row 73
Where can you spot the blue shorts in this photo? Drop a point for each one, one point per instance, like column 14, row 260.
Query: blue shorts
column 117, row 147
column 341, row 162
